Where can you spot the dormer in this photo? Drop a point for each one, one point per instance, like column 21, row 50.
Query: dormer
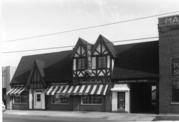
column 81, row 58
column 103, row 54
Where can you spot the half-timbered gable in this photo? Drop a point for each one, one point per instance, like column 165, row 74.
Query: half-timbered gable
column 81, row 58
column 35, row 79
column 103, row 54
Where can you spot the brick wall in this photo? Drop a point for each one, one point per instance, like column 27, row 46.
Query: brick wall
column 168, row 48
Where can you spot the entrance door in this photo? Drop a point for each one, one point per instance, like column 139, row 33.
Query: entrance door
column 121, row 101
column 38, row 100
column 76, row 103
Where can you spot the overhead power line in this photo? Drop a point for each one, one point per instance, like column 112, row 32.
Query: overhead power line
column 50, row 48
column 92, row 27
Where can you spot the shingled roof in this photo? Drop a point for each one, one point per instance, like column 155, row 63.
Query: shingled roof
column 132, row 61
column 136, row 61
column 55, row 67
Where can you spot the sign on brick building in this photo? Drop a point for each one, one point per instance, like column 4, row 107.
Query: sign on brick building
column 171, row 20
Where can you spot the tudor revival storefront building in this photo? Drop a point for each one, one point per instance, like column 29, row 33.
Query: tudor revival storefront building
column 98, row 77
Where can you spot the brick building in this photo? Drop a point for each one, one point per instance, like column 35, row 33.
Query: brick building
column 136, row 78
column 169, row 64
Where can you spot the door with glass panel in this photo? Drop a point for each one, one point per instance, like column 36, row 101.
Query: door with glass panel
column 121, row 101
column 37, row 100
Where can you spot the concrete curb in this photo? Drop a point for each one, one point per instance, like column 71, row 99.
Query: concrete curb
column 55, row 114
column 84, row 115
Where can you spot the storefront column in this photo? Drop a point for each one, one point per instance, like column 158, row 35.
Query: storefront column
column 114, row 101
column 127, row 101
column 10, row 102
column 30, row 99
column 43, row 100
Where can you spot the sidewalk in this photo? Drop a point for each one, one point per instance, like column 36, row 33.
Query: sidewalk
column 92, row 115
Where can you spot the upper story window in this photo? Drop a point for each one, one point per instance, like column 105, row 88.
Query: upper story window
column 81, row 63
column 101, row 62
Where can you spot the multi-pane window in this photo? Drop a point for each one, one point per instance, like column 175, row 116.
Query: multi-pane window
column 175, row 90
column 21, row 99
column 102, row 62
column 81, row 63
column 59, row 99
column 175, row 80
column 89, row 99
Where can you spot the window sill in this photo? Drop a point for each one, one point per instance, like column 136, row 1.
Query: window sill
column 174, row 103
column 91, row 104
column 60, row 103
column 19, row 103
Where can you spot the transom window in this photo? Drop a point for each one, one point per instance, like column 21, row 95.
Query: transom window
column 23, row 98
column 102, row 62
column 89, row 99
column 59, row 99
column 81, row 63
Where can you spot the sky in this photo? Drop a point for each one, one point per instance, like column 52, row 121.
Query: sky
column 29, row 18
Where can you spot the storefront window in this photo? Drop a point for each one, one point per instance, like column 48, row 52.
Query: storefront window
column 20, row 99
column 154, row 94
column 96, row 99
column 58, row 99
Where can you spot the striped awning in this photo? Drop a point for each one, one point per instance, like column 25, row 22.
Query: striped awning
column 15, row 91
column 91, row 89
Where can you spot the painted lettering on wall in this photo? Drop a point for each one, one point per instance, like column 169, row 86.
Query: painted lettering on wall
column 172, row 20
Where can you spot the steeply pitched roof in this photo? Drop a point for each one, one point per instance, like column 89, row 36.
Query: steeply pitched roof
column 56, row 67
column 139, row 60
column 40, row 65
column 82, row 42
column 132, row 61
column 107, row 43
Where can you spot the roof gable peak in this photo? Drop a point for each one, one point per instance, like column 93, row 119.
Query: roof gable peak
column 81, row 42
column 108, row 44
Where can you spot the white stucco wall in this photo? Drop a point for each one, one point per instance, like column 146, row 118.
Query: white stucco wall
column 30, row 99
column 114, row 101
column 127, row 101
